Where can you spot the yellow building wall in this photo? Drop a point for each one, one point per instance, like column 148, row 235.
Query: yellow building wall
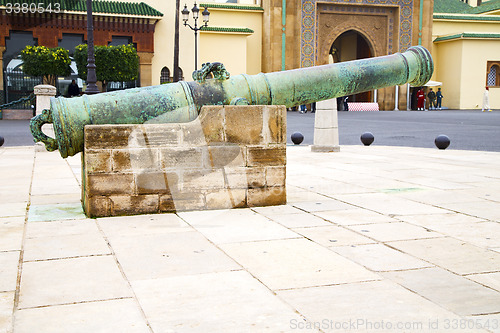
column 443, row 28
column 164, row 39
column 448, row 63
column 230, row 49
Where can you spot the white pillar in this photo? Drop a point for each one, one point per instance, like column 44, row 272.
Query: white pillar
column 43, row 93
column 408, row 102
column 396, row 99
column 326, row 127
column 375, row 96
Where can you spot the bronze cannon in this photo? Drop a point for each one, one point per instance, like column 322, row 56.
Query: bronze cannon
column 182, row 101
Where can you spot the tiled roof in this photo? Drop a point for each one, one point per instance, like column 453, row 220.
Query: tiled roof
column 229, row 6
column 98, row 6
column 450, row 6
column 471, row 35
column 223, row 29
column 459, row 7
column 463, row 17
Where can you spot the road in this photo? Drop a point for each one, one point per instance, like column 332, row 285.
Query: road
column 467, row 130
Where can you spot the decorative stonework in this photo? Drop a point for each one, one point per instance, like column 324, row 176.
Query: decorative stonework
column 230, row 156
column 309, row 38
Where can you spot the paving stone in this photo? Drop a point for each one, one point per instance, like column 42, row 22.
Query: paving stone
column 299, row 220
column 333, row 236
column 142, row 225
column 295, row 263
column 376, row 306
column 452, row 254
column 13, row 209
column 6, row 309
column 234, row 302
column 55, row 212
column 11, row 233
column 491, row 280
column 379, row 257
column 453, row 292
column 235, row 225
column 122, row 315
column 151, row 256
column 389, row 204
column 386, row 232
column 67, row 246
column 61, row 228
column 483, row 209
column 66, row 281
column 9, row 262
column 440, row 222
column 354, row 216
column 280, row 209
column 323, row 205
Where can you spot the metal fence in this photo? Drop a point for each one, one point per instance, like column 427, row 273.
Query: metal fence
column 18, row 85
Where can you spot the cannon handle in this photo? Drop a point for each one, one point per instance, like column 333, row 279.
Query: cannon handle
column 36, row 124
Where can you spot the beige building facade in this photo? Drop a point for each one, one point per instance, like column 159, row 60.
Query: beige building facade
column 466, row 51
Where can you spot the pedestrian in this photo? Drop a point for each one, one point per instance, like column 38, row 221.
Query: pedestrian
column 432, row 99
column 439, row 97
column 421, row 100
column 346, row 106
column 313, row 107
column 486, row 100
column 73, row 89
column 303, row 108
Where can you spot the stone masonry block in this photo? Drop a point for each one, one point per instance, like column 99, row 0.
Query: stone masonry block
column 212, row 122
column 110, row 183
column 244, row 124
column 272, row 155
column 267, row 196
column 182, row 202
column 155, row 135
column 135, row 159
column 245, row 177
column 276, row 123
column 134, row 204
column 202, row 179
column 226, row 199
column 107, row 136
column 276, row 176
column 97, row 161
column 155, row 182
column 97, row 206
column 193, row 134
column 181, row 158
column 225, row 155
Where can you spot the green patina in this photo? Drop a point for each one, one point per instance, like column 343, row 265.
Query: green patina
column 181, row 101
column 400, row 190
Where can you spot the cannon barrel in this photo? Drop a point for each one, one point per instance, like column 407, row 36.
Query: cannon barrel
column 182, row 101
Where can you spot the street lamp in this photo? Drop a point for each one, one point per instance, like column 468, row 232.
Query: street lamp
column 91, row 75
column 196, row 12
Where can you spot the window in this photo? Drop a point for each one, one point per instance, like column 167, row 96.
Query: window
column 493, row 74
column 165, row 75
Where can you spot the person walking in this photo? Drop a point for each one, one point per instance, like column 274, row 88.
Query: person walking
column 421, row 100
column 486, row 100
column 73, row 89
column 303, row 108
column 432, row 99
column 439, row 97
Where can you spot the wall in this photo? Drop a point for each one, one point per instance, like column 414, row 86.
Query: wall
column 448, row 69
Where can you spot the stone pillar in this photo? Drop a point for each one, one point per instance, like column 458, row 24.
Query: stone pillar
column 43, row 93
column 145, row 68
column 326, row 128
column 2, row 50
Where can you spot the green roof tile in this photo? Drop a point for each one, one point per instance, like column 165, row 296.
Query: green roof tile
column 485, row 7
column 450, row 6
column 472, row 35
column 229, row 6
column 463, row 17
column 98, row 6
column 223, row 29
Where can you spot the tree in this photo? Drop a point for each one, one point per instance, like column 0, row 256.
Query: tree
column 46, row 62
column 113, row 63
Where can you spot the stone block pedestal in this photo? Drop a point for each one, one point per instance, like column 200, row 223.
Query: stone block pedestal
column 230, row 156
column 326, row 128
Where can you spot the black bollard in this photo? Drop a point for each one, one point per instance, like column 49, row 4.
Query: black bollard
column 442, row 141
column 297, row 138
column 367, row 138
column 1, row 141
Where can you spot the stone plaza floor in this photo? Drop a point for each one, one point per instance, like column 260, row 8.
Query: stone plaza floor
column 377, row 239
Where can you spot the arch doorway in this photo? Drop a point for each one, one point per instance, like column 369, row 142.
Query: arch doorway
column 351, row 45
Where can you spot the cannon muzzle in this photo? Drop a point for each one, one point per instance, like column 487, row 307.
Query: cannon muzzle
column 181, row 101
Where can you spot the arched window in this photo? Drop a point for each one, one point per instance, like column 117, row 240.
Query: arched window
column 165, row 75
column 493, row 75
column 181, row 76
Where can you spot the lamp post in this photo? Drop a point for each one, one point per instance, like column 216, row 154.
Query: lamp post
column 91, row 76
column 196, row 12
